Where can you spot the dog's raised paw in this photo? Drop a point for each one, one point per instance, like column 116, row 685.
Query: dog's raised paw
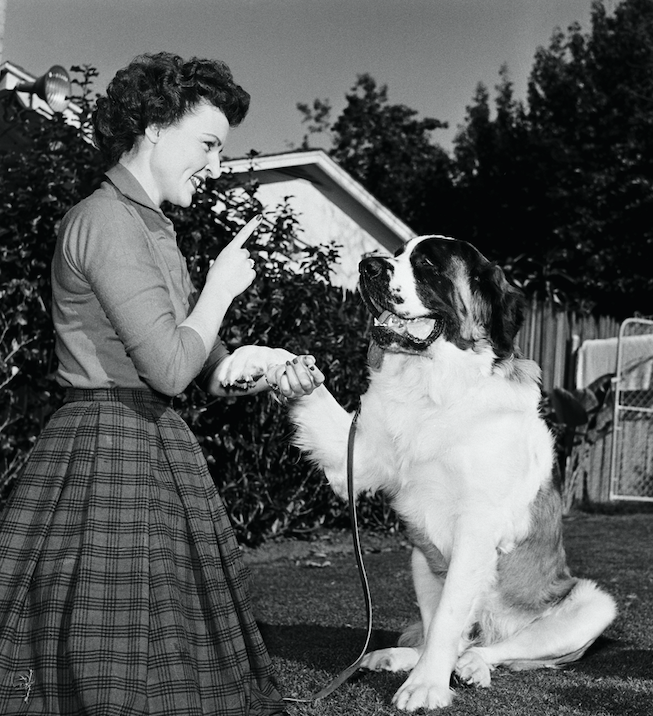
column 392, row 659
column 472, row 669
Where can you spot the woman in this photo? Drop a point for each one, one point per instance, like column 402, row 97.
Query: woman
column 122, row 590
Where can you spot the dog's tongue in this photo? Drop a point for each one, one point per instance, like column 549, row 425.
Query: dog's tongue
column 374, row 355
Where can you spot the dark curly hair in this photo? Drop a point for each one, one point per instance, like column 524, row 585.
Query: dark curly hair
column 160, row 89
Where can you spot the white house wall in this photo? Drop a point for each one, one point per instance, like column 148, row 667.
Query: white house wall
column 322, row 222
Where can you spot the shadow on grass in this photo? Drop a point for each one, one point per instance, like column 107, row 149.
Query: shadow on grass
column 604, row 681
column 329, row 649
column 609, row 658
column 600, row 697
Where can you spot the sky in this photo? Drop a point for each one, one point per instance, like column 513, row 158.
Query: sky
column 431, row 54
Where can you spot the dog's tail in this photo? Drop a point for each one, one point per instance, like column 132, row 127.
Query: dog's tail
column 556, row 662
column 412, row 636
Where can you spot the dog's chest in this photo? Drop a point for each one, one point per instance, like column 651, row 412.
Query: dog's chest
column 438, row 465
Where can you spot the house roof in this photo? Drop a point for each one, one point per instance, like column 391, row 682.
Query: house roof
column 316, row 167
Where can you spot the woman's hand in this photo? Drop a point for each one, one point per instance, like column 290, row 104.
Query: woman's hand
column 232, row 272
column 229, row 275
column 250, row 369
column 248, row 364
column 296, row 378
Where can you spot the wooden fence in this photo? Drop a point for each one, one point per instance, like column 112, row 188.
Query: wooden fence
column 551, row 337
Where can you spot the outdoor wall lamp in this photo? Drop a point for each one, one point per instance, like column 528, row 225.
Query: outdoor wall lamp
column 53, row 87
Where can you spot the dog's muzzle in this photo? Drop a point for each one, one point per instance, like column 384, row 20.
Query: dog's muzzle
column 390, row 331
column 420, row 332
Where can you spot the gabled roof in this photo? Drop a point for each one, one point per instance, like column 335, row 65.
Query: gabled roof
column 316, row 167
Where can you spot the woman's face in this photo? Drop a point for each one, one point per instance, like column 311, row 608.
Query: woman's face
column 186, row 153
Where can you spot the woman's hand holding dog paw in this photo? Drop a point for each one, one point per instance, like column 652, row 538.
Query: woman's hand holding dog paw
column 246, row 365
column 295, row 378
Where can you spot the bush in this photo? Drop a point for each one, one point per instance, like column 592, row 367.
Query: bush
column 39, row 182
column 268, row 489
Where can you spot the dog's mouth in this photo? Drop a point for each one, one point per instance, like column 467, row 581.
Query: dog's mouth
column 419, row 331
column 395, row 333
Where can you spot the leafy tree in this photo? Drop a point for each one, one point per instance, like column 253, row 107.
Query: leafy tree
column 564, row 186
column 39, row 181
column 590, row 99
column 490, row 163
column 388, row 149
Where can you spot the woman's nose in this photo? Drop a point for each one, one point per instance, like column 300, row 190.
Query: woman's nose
column 215, row 167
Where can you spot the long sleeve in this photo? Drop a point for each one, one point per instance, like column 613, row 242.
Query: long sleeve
column 121, row 291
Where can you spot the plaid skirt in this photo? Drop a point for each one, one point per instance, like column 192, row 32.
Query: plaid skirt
column 122, row 588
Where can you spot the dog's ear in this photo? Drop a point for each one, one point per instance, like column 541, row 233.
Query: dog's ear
column 506, row 309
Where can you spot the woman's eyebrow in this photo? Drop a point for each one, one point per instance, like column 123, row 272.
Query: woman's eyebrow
column 215, row 137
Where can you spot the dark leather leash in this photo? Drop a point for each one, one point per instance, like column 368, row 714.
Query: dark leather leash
column 358, row 553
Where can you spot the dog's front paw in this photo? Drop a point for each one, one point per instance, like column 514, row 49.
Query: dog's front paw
column 418, row 691
column 472, row 669
column 392, row 659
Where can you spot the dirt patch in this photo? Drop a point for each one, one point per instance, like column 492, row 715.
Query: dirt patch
column 322, row 545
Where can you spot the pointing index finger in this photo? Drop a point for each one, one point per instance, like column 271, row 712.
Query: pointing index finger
column 250, row 227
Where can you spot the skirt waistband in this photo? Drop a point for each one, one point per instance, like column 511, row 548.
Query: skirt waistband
column 136, row 396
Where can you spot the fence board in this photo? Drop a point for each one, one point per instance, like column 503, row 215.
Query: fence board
column 551, row 337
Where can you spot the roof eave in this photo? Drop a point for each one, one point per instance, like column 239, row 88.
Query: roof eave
column 316, row 167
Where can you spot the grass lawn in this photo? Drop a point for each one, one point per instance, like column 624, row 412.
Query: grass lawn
column 308, row 601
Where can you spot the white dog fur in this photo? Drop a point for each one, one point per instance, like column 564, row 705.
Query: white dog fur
column 450, row 430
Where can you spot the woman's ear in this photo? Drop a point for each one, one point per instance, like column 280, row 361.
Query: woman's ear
column 153, row 132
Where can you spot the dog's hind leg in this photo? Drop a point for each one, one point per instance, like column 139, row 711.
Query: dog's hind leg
column 561, row 635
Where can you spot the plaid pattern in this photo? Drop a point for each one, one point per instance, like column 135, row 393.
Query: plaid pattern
column 122, row 590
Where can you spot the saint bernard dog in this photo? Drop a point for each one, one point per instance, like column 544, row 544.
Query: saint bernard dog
column 450, row 430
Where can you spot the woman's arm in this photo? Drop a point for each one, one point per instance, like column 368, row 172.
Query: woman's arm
column 104, row 245
column 229, row 275
column 108, row 258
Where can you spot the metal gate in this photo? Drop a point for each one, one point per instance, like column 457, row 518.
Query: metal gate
column 631, row 465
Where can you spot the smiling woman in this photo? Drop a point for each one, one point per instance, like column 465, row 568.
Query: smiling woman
column 122, row 588
column 172, row 162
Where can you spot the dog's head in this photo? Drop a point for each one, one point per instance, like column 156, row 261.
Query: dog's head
column 436, row 286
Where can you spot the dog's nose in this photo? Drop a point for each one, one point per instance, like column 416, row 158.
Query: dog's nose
column 372, row 266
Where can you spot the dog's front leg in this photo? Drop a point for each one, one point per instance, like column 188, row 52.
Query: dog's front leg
column 322, row 431
column 472, row 565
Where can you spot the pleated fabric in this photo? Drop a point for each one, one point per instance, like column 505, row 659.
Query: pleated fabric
column 122, row 588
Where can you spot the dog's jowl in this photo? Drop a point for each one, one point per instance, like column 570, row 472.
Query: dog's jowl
column 450, row 429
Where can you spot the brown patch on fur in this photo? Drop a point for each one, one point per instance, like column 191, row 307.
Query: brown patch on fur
column 534, row 575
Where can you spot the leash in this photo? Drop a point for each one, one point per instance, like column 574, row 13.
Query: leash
column 358, row 553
